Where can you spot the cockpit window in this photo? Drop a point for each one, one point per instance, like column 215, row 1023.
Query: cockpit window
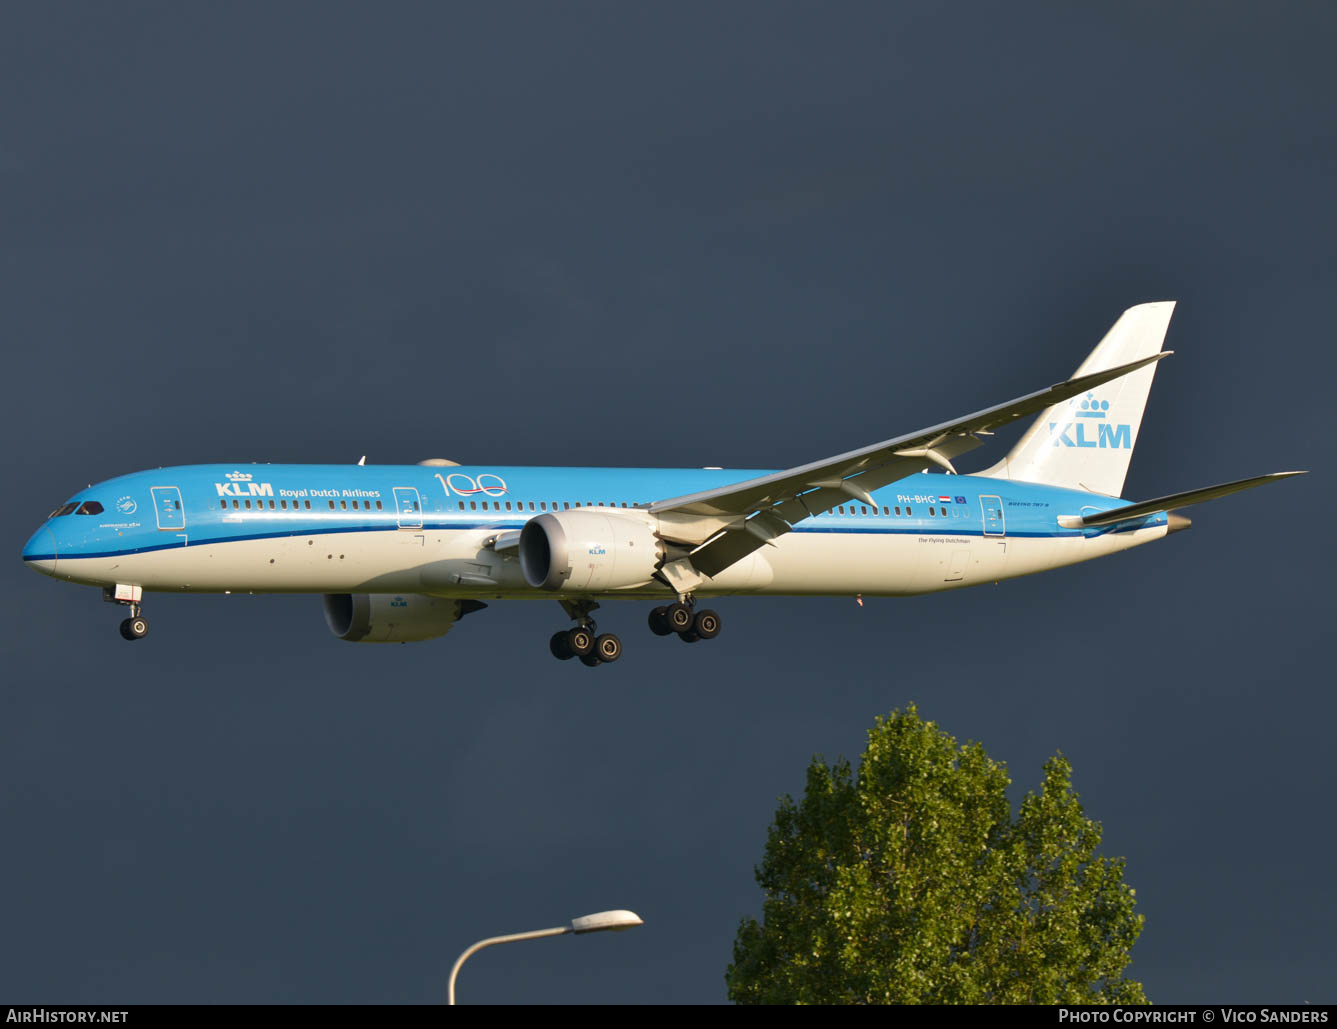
column 89, row 507
column 63, row 510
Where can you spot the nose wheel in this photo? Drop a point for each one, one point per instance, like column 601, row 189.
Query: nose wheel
column 136, row 627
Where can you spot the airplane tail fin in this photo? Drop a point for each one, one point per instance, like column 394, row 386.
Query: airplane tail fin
column 1086, row 443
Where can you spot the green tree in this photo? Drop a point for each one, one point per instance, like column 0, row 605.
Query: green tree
column 914, row 883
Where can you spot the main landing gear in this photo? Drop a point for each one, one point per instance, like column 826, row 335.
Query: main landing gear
column 136, row 627
column 584, row 640
column 680, row 617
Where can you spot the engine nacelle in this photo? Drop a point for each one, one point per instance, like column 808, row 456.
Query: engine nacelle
column 392, row 617
column 589, row 550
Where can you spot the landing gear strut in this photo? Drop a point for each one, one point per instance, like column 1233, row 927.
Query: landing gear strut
column 681, row 617
column 136, row 627
column 584, row 641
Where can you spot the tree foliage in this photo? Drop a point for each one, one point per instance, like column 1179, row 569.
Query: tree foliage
column 914, row 883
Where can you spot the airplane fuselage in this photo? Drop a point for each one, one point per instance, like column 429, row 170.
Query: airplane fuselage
column 431, row 530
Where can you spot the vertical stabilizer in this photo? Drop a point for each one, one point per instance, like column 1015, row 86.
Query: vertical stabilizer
column 1086, row 442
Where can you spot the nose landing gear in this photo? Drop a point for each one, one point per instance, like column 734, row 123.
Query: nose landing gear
column 136, row 627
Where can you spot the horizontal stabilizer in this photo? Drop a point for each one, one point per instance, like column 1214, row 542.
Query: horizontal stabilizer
column 1173, row 502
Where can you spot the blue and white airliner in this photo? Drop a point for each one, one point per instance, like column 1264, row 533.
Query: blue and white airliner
column 401, row 553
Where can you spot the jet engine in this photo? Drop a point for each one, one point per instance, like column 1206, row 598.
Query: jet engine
column 589, row 550
column 393, row 617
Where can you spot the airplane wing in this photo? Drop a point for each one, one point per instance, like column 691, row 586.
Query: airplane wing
column 1171, row 503
column 724, row 525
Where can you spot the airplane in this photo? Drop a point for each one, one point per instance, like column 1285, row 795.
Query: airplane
column 401, row 553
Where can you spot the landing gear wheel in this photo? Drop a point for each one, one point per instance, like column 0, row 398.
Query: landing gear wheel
column 608, row 648
column 706, row 624
column 658, row 623
column 580, row 641
column 590, row 660
column 690, row 636
column 559, row 647
column 134, row 628
column 678, row 617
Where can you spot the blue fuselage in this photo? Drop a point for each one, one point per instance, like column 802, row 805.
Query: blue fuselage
column 97, row 535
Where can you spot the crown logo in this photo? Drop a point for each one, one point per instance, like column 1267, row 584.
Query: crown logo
column 238, row 476
column 1093, row 408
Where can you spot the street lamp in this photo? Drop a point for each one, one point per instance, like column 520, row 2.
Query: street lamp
column 602, row 921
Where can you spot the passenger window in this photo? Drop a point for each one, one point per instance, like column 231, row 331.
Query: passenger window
column 222, row 503
column 283, row 505
column 508, row 505
column 909, row 512
column 271, row 505
column 862, row 509
column 543, row 505
column 308, row 505
column 473, row 506
column 235, row 505
column 566, row 506
column 378, row 506
column 248, row 505
column 461, row 505
column 343, row 505
column 531, row 505
column 331, row 505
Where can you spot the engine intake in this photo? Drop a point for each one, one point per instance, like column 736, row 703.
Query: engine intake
column 393, row 617
column 582, row 551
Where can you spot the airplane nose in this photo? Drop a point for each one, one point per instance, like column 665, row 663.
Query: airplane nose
column 39, row 553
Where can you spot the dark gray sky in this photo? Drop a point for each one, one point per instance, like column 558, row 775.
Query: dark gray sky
column 747, row 234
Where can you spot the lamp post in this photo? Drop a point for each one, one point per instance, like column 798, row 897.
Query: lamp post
column 602, row 921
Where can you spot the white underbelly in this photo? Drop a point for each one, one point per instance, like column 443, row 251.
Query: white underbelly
column 455, row 563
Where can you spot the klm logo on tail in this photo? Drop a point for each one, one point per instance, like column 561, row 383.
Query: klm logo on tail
column 1077, row 432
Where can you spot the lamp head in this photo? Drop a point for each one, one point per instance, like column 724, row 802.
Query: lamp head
column 606, row 921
